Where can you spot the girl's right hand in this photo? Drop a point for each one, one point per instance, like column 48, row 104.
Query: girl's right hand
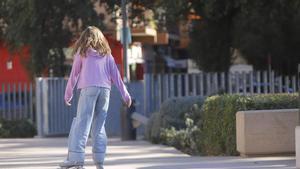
column 128, row 102
column 68, row 103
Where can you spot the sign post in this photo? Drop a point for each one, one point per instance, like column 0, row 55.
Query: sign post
column 125, row 40
column 298, row 82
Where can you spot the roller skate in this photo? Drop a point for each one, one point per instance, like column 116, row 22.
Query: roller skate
column 71, row 165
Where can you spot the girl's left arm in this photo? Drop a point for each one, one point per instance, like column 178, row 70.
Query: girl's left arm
column 117, row 80
column 74, row 75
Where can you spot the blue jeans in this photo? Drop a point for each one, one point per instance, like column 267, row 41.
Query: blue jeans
column 91, row 115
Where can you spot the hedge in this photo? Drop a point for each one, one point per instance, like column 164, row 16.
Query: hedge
column 208, row 128
column 17, row 128
column 218, row 126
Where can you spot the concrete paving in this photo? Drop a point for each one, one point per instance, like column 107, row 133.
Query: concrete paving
column 46, row 153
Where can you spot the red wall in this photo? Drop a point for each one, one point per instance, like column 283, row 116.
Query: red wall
column 18, row 73
column 117, row 52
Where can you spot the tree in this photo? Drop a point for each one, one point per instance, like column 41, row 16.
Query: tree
column 211, row 37
column 269, row 28
column 47, row 27
column 259, row 29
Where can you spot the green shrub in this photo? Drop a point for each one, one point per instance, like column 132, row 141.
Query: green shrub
column 173, row 113
column 186, row 140
column 218, row 127
column 208, row 129
column 16, row 128
column 153, row 127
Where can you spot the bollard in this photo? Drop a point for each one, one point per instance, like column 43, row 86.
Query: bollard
column 128, row 132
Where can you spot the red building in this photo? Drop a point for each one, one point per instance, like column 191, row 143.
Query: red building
column 12, row 66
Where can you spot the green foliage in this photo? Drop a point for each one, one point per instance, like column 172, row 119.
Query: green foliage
column 269, row 28
column 211, row 37
column 218, row 127
column 46, row 27
column 17, row 129
column 259, row 29
column 153, row 128
column 173, row 113
column 186, row 139
column 209, row 127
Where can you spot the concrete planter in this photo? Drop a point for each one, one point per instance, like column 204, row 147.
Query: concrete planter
column 266, row 132
column 297, row 133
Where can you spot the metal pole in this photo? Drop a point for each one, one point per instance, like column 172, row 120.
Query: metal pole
column 125, row 41
column 299, row 93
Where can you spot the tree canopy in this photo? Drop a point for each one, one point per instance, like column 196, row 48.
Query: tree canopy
column 259, row 29
column 46, row 27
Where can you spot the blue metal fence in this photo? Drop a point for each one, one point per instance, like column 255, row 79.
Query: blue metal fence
column 55, row 118
column 17, row 101
column 159, row 87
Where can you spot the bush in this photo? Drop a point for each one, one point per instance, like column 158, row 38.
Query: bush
column 173, row 113
column 208, row 129
column 186, row 140
column 218, row 127
column 16, row 128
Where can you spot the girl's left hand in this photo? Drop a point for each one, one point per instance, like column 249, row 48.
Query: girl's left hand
column 68, row 103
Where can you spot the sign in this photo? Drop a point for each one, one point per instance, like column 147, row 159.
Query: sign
column 9, row 65
column 128, row 33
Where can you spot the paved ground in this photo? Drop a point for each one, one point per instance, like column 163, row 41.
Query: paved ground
column 47, row 153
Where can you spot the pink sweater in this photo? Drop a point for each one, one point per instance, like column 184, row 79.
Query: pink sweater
column 94, row 70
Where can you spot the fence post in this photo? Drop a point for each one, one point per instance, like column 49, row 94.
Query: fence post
column 294, row 84
column 165, row 87
column 223, row 82
column 258, row 85
column 265, row 77
column 39, row 101
column 42, row 106
column 172, row 91
column 229, row 78
column 237, row 82
column 14, row 112
column 244, row 83
column 20, row 101
column 280, row 84
column 26, row 99
column 3, row 115
column 9, row 102
column 186, row 85
column 194, row 84
column 201, row 84
column 215, row 83
column 146, row 93
column 272, row 83
column 159, row 91
column 208, row 84
column 179, row 85
column 286, row 83
column 251, row 82
column 31, row 101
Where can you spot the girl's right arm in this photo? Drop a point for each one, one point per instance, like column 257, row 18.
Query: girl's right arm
column 74, row 75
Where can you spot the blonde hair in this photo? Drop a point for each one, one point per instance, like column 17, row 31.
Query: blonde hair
column 94, row 38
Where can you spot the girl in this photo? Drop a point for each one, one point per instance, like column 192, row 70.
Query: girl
column 94, row 69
